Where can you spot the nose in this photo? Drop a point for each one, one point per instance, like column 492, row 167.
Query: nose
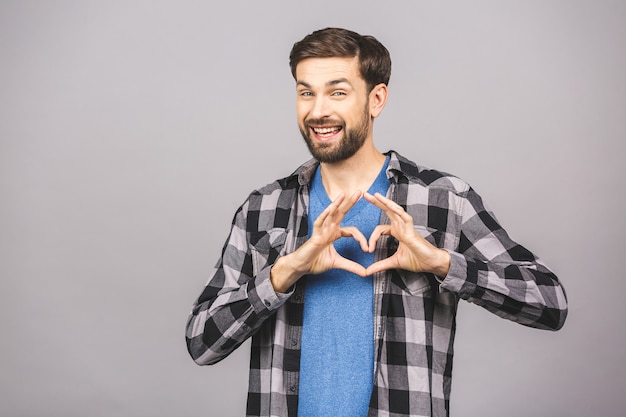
column 321, row 108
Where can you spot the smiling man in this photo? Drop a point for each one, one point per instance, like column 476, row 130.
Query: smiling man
column 348, row 272
column 331, row 93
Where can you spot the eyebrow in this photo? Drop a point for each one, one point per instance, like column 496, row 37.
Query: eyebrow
column 328, row 84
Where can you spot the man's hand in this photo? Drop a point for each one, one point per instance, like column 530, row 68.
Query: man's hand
column 414, row 252
column 318, row 254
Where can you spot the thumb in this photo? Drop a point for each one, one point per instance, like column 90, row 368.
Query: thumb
column 382, row 265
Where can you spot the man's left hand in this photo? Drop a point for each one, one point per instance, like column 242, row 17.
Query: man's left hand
column 414, row 252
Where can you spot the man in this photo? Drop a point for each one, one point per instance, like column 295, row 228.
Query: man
column 348, row 272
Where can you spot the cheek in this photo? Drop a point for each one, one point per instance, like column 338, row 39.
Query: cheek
column 354, row 110
column 301, row 111
column 354, row 118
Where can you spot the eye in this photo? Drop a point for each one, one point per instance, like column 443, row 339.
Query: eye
column 306, row 93
column 338, row 93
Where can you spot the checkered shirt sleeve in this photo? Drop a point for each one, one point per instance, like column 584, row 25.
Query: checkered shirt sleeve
column 493, row 271
column 239, row 296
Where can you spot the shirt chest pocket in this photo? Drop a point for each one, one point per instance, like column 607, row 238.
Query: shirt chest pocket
column 414, row 283
column 266, row 246
column 433, row 236
column 417, row 283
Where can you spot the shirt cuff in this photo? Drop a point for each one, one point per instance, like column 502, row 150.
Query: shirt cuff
column 263, row 296
column 456, row 277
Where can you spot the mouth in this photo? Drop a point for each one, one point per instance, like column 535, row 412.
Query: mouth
column 325, row 133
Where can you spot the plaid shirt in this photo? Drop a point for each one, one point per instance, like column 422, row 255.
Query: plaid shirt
column 414, row 313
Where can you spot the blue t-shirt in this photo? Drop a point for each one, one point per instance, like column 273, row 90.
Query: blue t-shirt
column 337, row 352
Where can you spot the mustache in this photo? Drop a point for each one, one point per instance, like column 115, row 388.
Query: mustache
column 324, row 122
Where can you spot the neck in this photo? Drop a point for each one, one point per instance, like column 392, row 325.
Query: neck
column 354, row 174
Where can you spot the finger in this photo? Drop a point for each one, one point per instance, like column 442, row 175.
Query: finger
column 379, row 230
column 370, row 198
column 330, row 210
column 385, row 200
column 348, row 203
column 355, row 233
column 396, row 214
column 390, row 204
column 389, row 207
column 350, row 266
column 337, row 202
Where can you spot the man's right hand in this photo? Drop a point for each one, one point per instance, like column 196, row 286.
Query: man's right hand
column 318, row 254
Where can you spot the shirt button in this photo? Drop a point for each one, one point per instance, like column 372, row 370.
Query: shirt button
column 292, row 389
column 294, row 342
column 268, row 303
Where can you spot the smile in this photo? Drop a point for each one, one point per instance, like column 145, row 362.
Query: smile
column 326, row 133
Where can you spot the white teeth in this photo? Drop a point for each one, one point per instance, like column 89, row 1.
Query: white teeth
column 324, row 130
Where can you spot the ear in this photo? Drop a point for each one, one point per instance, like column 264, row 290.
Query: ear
column 378, row 99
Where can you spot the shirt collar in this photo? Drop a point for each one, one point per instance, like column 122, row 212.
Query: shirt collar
column 398, row 166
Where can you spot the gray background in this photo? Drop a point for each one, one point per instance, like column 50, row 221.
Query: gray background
column 131, row 131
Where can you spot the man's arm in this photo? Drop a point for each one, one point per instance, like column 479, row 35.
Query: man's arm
column 499, row 274
column 236, row 300
column 488, row 268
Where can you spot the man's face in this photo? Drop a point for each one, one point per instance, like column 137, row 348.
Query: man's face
column 333, row 107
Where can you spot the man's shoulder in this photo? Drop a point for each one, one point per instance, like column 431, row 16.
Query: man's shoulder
column 282, row 184
column 280, row 193
column 424, row 176
column 291, row 182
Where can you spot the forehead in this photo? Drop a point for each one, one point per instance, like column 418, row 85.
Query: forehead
column 320, row 71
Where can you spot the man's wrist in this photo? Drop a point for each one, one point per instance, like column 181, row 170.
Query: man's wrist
column 282, row 276
column 442, row 267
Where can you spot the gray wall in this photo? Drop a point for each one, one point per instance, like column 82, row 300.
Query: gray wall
column 131, row 131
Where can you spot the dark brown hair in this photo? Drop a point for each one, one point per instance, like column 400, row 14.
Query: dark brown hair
column 374, row 59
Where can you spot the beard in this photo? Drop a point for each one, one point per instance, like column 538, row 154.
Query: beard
column 352, row 140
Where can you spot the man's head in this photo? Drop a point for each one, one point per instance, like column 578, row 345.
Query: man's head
column 374, row 59
column 341, row 82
